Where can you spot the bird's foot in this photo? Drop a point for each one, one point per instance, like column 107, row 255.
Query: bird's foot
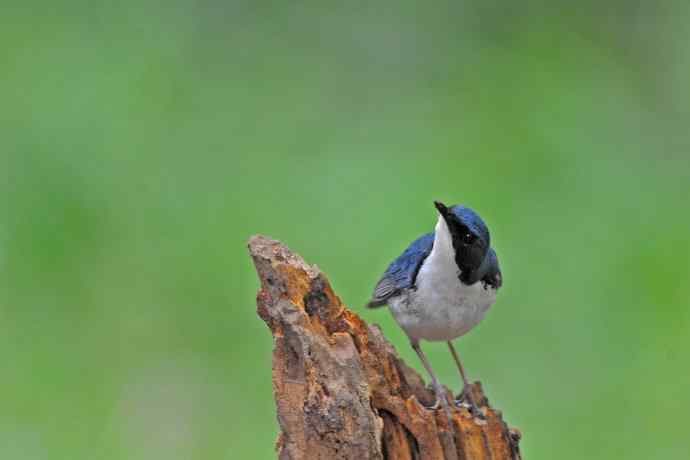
column 441, row 398
column 466, row 400
column 441, row 401
column 435, row 406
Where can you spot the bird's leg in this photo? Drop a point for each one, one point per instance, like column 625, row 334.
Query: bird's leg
column 438, row 389
column 466, row 392
column 440, row 396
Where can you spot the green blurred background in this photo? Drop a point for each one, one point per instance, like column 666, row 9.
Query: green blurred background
column 142, row 143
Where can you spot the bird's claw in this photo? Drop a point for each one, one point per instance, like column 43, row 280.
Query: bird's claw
column 440, row 401
column 435, row 406
column 467, row 401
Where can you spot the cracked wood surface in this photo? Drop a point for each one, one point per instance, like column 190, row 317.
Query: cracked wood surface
column 341, row 390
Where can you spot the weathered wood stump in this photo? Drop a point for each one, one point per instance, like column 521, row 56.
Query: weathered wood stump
column 340, row 388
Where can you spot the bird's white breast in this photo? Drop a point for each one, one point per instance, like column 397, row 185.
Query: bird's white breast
column 442, row 307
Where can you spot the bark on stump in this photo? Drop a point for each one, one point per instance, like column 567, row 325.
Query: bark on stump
column 340, row 388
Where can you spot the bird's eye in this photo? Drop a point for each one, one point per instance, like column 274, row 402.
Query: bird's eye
column 468, row 238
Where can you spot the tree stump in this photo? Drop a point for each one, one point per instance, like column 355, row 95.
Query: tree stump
column 340, row 388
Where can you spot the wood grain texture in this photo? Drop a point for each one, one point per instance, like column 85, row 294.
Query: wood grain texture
column 341, row 390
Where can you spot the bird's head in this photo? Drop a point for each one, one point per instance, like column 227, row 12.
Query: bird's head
column 470, row 236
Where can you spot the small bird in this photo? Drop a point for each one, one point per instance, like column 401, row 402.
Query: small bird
column 442, row 286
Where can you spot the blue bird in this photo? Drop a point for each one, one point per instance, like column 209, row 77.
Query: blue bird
column 442, row 286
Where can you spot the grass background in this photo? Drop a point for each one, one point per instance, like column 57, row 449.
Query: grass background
column 142, row 143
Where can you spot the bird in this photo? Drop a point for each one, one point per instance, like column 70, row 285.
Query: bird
column 441, row 287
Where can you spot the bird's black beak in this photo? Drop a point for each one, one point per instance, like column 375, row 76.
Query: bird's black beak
column 442, row 209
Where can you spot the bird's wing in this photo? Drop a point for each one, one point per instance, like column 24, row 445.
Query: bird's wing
column 401, row 274
column 492, row 272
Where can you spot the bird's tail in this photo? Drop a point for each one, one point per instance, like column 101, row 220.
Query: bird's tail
column 376, row 303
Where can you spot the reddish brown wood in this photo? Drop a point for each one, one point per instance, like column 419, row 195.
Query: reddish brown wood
column 340, row 388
